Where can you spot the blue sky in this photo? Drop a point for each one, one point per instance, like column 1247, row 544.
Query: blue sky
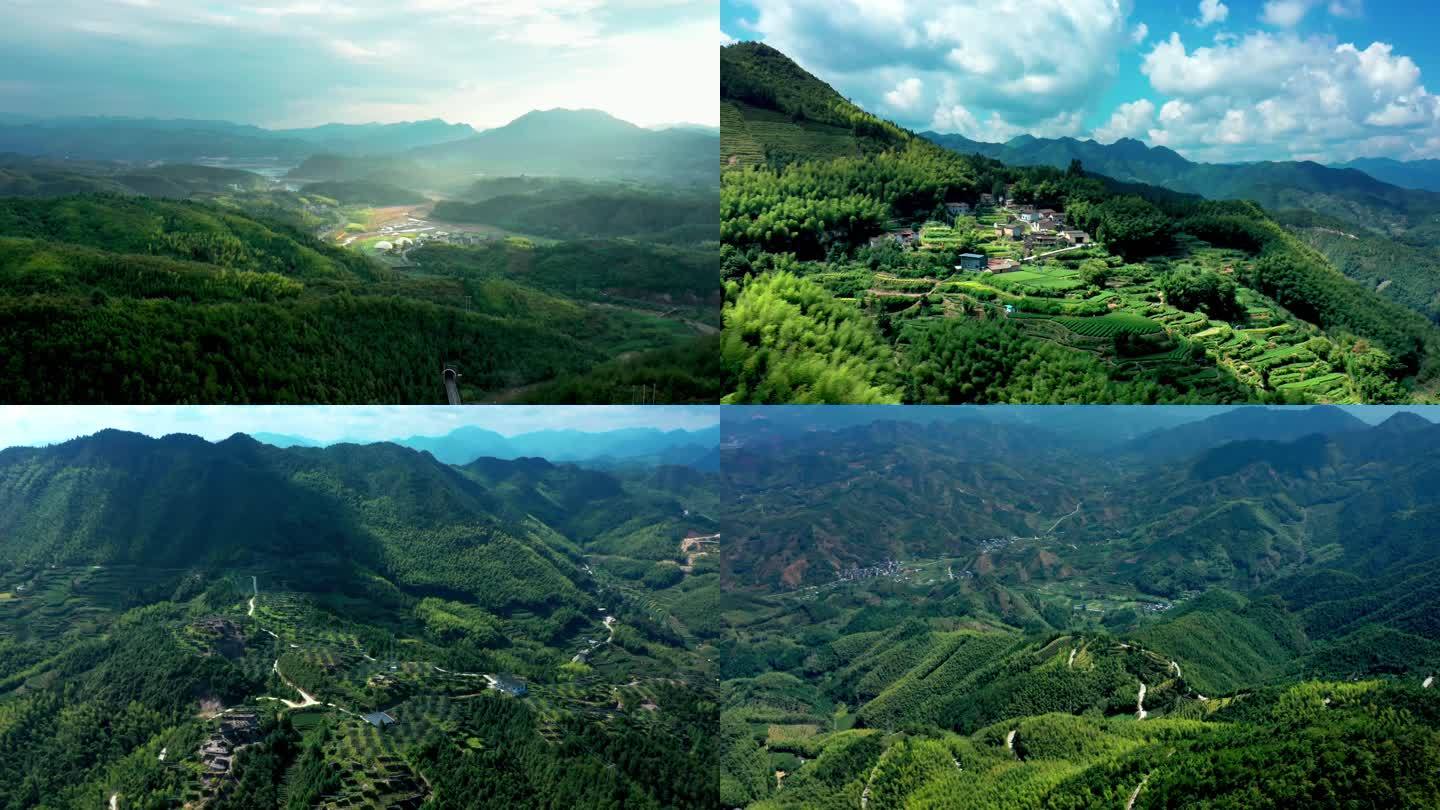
column 1216, row 80
column 46, row 424
column 307, row 62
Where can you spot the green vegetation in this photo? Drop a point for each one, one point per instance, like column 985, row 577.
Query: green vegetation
column 155, row 663
column 571, row 210
column 1175, row 301
column 142, row 300
column 1168, row 641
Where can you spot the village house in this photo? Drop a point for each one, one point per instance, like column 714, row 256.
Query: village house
column 1076, row 237
column 1029, row 217
column 987, row 199
column 955, row 209
column 971, row 261
column 1002, row 265
column 1010, row 230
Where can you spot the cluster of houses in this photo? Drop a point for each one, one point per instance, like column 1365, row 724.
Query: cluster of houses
column 1041, row 227
column 1037, row 228
column 238, row 727
column 404, row 243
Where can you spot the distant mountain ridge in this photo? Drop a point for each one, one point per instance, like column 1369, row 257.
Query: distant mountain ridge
column 637, row 446
column 1418, row 174
column 1347, row 193
column 184, row 140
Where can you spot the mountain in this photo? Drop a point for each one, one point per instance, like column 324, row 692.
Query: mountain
column 464, row 445
column 184, row 140
column 1417, row 174
column 1240, row 424
column 1257, row 599
column 579, row 143
column 244, row 607
column 773, row 112
column 1346, row 193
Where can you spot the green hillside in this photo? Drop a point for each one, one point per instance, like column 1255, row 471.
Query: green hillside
column 227, row 624
column 854, row 242
column 156, row 301
column 1115, row 652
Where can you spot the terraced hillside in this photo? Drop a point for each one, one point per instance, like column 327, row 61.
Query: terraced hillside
column 238, row 664
column 1076, row 289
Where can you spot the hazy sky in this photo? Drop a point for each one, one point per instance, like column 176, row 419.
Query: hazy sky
column 306, row 62
column 1216, row 80
column 47, row 424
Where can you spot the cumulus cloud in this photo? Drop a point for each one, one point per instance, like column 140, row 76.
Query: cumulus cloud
column 1280, row 95
column 1130, row 120
column 1285, row 13
column 726, row 39
column 1212, row 11
column 906, row 95
column 981, row 66
column 1139, row 33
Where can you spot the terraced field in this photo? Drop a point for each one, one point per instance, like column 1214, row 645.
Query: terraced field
column 737, row 146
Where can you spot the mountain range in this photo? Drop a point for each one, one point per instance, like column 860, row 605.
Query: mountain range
column 629, row 446
column 576, row 143
column 1345, row 192
column 897, row 490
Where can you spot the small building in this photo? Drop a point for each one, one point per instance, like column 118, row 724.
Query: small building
column 972, row 261
column 1046, row 224
column 1010, row 230
column 1029, row 217
column 987, row 199
column 1076, row 237
column 1002, row 265
column 1026, row 209
column 907, row 236
column 957, row 208
column 510, row 685
column 1047, row 212
column 380, row 719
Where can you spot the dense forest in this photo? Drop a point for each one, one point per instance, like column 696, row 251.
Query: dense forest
column 918, row 622
column 360, row 626
column 1179, row 299
column 143, row 300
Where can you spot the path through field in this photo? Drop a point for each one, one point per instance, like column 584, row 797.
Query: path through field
column 1133, row 796
column 114, row 801
column 254, row 583
column 1010, row 740
column 1140, row 713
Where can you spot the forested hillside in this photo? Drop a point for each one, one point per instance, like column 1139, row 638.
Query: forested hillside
column 236, row 625
column 965, row 614
column 853, row 237
column 142, row 300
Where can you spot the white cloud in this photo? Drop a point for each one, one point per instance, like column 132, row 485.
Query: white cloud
column 1212, row 11
column 1277, row 96
column 1285, row 13
column 1139, row 33
column 726, row 39
column 1347, row 8
column 905, row 97
column 1007, row 65
column 1130, row 120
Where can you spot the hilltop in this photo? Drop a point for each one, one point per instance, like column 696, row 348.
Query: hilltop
column 909, row 267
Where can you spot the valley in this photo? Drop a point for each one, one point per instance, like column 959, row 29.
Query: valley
column 228, row 658
column 544, row 287
column 969, row 611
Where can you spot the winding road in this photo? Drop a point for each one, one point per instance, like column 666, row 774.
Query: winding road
column 1140, row 713
column 254, row 583
column 1062, row 517
column 1428, row 681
